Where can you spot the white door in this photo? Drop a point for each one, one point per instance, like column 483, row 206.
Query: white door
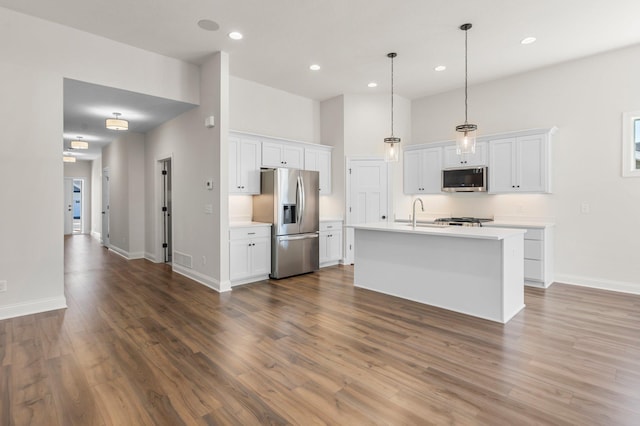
column 105, row 207
column 68, row 206
column 368, row 196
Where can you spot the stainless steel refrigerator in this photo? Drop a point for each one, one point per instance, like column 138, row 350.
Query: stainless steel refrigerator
column 289, row 199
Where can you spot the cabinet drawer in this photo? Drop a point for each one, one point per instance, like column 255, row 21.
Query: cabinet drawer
column 533, row 249
column 249, row 232
column 534, row 234
column 533, row 269
column 330, row 226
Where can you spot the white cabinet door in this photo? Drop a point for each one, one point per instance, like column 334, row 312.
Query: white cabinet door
column 519, row 164
column 531, row 161
column 422, row 171
column 334, row 246
column 239, row 256
column 244, row 166
column 282, row 155
column 260, row 256
column 271, row 154
column 502, row 165
column 320, row 161
column 452, row 159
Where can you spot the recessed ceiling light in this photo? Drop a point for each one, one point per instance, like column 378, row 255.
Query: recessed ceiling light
column 234, row 35
column 440, row 68
column 372, row 84
column 208, row 25
column 527, row 40
column 314, row 67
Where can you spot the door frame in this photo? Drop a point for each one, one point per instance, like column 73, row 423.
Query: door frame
column 349, row 234
column 68, row 205
column 158, row 252
column 104, row 234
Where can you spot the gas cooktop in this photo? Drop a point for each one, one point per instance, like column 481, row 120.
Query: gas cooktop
column 464, row 221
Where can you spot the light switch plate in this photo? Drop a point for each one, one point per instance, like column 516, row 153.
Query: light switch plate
column 3, row 286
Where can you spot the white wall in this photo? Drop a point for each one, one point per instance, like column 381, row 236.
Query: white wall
column 82, row 170
column 263, row 110
column 31, row 82
column 585, row 99
column 332, row 133
column 195, row 152
column 125, row 159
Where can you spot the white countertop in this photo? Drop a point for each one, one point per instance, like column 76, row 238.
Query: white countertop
column 247, row 224
column 487, row 233
column 518, row 224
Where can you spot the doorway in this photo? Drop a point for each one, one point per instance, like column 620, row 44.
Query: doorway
column 165, row 207
column 367, row 196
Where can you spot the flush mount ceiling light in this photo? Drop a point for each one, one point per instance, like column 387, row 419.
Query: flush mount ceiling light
column 68, row 159
column 234, row 35
column 440, row 68
column 117, row 123
column 528, row 40
column 79, row 144
column 372, row 84
column 390, row 149
column 314, row 67
column 466, row 133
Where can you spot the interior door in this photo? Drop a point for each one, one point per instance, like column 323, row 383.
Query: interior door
column 368, row 189
column 166, row 211
column 68, row 206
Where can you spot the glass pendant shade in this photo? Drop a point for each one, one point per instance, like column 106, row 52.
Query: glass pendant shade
column 116, row 123
column 391, row 149
column 79, row 145
column 466, row 138
column 68, row 159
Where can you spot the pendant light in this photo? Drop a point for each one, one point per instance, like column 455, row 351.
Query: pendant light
column 79, row 144
column 391, row 143
column 117, row 123
column 68, row 159
column 466, row 133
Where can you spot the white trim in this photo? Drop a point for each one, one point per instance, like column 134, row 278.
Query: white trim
column 628, row 145
column 241, row 134
column 250, row 280
column 620, row 286
column 126, row 254
column 150, row 257
column 33, row 307
column 203, row 279
column 96, row 235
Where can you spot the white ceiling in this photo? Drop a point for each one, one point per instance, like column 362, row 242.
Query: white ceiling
column 350, row 38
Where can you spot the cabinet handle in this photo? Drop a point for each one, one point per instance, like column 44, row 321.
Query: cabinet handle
column 242, row 187
column 238, row 187
column 251, row 233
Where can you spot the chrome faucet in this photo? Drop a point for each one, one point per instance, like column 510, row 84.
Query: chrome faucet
column 414, row 210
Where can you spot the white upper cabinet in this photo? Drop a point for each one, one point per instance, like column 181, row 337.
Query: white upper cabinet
column 519, row 164
column 319, row 159
column 452, row 159
column 422, row 171
column 277, row 154
column 244, row 166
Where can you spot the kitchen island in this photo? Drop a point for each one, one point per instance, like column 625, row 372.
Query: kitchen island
column 472, row 270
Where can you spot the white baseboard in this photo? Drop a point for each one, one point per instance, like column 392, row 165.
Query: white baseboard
column 32, row 307
column 203, row 279
column 150, row 257
column 126, row 254
column 96, row 235
column 620, row 286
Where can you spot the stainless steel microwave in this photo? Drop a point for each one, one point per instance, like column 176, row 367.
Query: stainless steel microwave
column 466, row 179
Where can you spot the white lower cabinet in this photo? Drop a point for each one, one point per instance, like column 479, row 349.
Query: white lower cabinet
column 330, row 243
column 249, row 254
column 538, row 253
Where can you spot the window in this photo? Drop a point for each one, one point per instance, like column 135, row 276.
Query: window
column 631, row 144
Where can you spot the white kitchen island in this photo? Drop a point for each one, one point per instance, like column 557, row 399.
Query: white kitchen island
column 473, row 270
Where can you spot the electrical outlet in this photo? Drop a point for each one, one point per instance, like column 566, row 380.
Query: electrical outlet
column 204, row 260
column 3, row 286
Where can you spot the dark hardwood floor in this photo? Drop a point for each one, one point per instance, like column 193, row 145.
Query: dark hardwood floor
column 140, row 345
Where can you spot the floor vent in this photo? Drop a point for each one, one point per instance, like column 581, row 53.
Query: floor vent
column 183, row 259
